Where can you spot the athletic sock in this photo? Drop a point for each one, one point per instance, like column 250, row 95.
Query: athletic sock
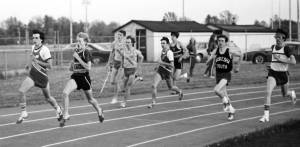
column 23, row 106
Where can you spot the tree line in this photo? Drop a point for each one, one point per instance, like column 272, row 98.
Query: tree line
column 13, row 31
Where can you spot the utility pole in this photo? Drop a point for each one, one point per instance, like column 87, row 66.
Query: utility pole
column 298, row 28
column 71, row 23
column 272, row 26
column 279, row 21
column 183, row 9
column 290, row 24
column 86, row 3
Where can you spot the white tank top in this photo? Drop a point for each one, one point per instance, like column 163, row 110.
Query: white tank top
column 275, row 64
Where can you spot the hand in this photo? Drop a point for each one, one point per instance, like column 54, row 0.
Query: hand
column 180, row 59
column 76, row 56
column 33, row 59
column 276, row 56
column 236, row 70
column 71, row 66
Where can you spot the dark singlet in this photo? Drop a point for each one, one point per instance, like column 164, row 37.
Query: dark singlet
column 165, row 58
column 176, row 51
column 223, row 61
column 85, row 56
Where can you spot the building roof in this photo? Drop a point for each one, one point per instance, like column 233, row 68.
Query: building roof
column 169, row 26
column 242, row 28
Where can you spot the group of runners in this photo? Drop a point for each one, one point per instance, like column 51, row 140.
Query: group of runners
column 125, row 57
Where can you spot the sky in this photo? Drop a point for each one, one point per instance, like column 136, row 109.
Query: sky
column 122, row 11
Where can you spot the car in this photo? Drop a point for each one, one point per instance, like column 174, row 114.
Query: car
column 201, row 51
column 99, row 53
column 263, row 55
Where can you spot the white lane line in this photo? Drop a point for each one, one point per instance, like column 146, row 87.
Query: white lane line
column 140, row 99
column 207, row 127
column 138, row 106
column 150, row 125
column 126, row 117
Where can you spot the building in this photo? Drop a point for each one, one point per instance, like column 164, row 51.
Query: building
column 247, row 37
column 149, row 33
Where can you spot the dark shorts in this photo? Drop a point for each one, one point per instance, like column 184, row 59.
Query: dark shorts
column 129, row 71
column 177, row 64
column 83, row 80
column 117, row 64
column 39, row 78
column 220, row 76
column 281, row 77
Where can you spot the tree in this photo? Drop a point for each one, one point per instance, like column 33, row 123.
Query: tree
column 170, row 16
column 226, row 17
column 261, row 23
column 211, row 20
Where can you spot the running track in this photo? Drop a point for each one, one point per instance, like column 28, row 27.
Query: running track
column 196, row 121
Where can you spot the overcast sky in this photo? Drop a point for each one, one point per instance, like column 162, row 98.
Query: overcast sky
column 122, row 11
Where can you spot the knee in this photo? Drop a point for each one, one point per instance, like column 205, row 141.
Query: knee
column 65, row 94
column 153, row 86
column 217, row 90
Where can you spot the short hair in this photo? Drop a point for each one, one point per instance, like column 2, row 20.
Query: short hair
column 123, row 32
column 42, row 35
column 281, row 31
column 217, row 32
column 165, row 39
column 176, row 34
column 223, row 36
column 83, row 35
column 132, row 40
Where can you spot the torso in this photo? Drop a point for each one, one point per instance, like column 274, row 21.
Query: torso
column 223, row 61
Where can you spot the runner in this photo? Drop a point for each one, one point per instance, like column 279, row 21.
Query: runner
column 40, row 63
column 223, row 58
column 278, row 74
column 180, row 52
column 193, row 53
column 164, row 71
column 115, row 61
column 80, row 79
column 132, row 60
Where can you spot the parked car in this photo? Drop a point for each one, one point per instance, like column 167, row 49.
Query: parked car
column 202, row 53
column 99, row 53
column 263, row 55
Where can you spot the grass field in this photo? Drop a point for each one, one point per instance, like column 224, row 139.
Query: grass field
column 280, row 135
column 249, row 74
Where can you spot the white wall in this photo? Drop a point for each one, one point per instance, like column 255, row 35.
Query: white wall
column 252, row 41
column 183, row 37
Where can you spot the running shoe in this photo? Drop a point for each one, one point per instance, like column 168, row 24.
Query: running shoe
column 123, row 104
column 180, row 95
column 151, row 105
column 264, row 118
column 293, row 97
column 22, row 117
column 59, row 114
column 114, row 100
column 231, row 113
column 101, row 117
column 62, row 122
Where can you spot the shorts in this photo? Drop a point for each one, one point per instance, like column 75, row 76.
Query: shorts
column 165, row 75
column 177, row 64
column 83, row 80
column 281, row 77
column 220, row 76
column 117, row 64
column 39, row 78
column 129, row 71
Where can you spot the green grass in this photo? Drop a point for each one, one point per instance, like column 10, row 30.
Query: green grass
column 9, row 97
column 280, row 135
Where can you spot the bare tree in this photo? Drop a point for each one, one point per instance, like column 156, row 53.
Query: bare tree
column 170, row 16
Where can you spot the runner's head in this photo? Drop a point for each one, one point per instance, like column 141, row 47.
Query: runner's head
column 82, row 39
column 38, row 37
column 280, row 36
column 130, row 41
column 164, row 41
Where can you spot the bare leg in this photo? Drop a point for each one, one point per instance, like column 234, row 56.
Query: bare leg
column 71, row 86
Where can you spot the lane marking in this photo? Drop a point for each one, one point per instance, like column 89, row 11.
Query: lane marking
column 141, row 99
column 208, row 127
column 138, row 106
column 127, row 117
column 150, row 125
